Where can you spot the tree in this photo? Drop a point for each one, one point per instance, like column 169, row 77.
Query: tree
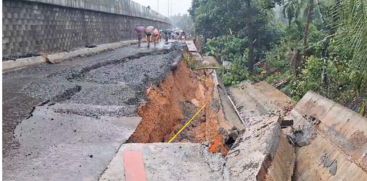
column 351, row 37
column 310, row 12
column 243, row 18
column 352, row 30
column 291, row 10
column 194, row 6
column 215, row 18
column 250, row 27
column 324, row 43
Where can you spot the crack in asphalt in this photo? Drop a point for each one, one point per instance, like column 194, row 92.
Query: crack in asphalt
column 92, row 100
column 80, row 74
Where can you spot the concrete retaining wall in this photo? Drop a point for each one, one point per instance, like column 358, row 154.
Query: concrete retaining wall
column 33, row 27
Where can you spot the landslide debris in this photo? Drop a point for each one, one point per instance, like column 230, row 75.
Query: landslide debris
column 173, row 102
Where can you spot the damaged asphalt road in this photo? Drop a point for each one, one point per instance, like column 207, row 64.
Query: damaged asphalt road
column 63, row 121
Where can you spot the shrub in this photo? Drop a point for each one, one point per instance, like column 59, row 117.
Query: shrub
column 237, row 72
column 226, row 48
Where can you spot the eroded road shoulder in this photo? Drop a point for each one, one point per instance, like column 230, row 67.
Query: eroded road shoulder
column 66, row 121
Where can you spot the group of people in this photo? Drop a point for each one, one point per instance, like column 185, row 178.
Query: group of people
column 154, row 35
column 178, row 35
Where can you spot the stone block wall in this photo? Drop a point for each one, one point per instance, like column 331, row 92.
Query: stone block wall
column 34, row 27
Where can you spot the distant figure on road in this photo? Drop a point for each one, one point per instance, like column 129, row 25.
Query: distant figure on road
column 183, row 35
column 166, row 35
column 156, row 36
column 140, row 33
column 172, row 36
column 149, row 31
column 177, row 35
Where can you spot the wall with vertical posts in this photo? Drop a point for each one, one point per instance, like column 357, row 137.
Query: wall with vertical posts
column 33, row 27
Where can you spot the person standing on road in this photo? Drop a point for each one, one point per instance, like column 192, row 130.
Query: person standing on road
column 148, row 33
column 140, row 33
column 166, row 35
column 183, row 35
column 156, row 36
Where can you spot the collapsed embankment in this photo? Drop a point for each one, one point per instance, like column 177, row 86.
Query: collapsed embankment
column 173, row 102
column 281, row 142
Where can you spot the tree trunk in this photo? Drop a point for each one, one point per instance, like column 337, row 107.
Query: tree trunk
column 296, row 62
column 310, row 9
column 251, row 34
column 251, row 56
column 289, row 22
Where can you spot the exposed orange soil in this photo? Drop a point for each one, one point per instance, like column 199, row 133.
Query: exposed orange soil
column 218, row 146
column 163, row 114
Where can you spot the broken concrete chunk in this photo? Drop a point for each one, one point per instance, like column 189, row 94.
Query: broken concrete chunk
column 286, row 123
column 178, row 161
column 339, row 140
column 303, row 131
column 260, row 152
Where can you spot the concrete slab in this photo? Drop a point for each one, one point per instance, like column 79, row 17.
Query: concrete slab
column 322, row 160
column 253, row 101
column 22, row 62
column 271, row 99
column 332, row 138
column 62, row 146
column 197, row 56
column 163, row 161
column 191, row 46
column 62, row 56
column 59, row 57
column 210, row 61
column 247, row 105
column 262, row 153
column 274, row 97
column 337, row 140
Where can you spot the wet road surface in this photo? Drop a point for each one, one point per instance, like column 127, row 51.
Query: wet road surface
column 66, row 121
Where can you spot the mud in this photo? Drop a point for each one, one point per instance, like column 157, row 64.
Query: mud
column 173, row 102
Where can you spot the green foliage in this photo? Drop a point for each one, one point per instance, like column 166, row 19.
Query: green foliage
column 230, row 48
column 278, row 76
column 363, row 109
column 352, row 32
column 330, row 78
column 325, row 40
column 215, row 17
column 279, row 57
column 195, row 4
column 249, row 22
column 292, row 10
column 295, row 32
column 226, row 48
column 316, row 41
column 190, row 62
column 310, row 78
column 236, row 73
